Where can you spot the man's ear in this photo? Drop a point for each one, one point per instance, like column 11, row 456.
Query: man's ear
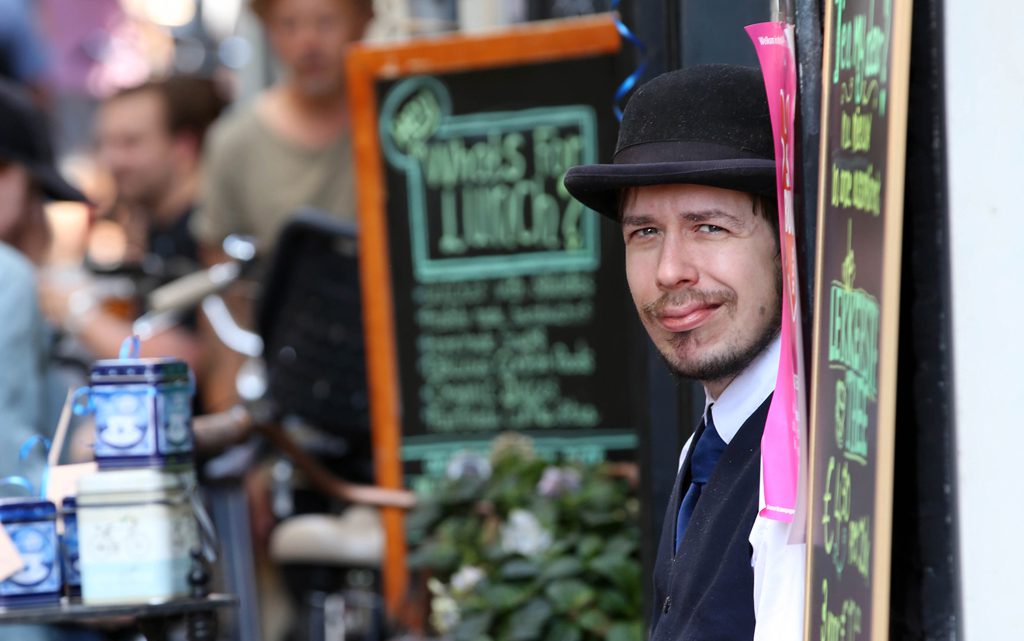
column 186, row 146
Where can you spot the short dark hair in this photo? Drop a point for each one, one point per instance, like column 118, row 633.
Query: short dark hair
column 191, row 103
column 768, row 208
column 262, row 7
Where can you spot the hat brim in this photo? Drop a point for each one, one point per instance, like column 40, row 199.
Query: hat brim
column 598, row 186
column 54, row 185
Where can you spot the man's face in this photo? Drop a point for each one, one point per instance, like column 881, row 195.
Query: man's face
column 311, row 37
column 22, row 220
column 705, row 275
column 14, row 199
column 136, row 147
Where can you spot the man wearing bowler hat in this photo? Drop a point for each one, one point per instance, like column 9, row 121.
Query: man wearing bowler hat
column 692, row 185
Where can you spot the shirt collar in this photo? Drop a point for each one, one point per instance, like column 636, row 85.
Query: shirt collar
column 746, row 392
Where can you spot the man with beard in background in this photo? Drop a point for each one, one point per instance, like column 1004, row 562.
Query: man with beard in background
column 149, row 138
column 291, row 147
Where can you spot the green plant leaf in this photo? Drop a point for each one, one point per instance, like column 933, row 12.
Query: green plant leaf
column 615, row 603
column 590, row 545
column 528, row 621
column 472, row 627
column 626, row 631
column 564, row 630
column 623, row 572
column 421, row 520
column 569, row 594
column 438, row 555
column 561, row 568
column 502, row 597
column 602, row 517
column 595, row 621
column 621, row 546
column 564, row 544
column 519, row 569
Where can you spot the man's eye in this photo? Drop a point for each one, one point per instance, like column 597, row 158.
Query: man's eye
column 709, row 229
column 643, row 232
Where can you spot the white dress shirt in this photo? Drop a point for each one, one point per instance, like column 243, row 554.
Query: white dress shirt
column 778, row 565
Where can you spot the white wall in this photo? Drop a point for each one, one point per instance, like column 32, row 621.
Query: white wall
column 985, row 125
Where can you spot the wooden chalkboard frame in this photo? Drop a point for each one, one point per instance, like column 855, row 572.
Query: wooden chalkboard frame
column 368, row 63
column 889, row 303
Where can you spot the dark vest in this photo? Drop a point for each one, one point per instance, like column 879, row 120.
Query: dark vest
column 706, row 593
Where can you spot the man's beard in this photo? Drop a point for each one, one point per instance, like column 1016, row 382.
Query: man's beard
column 732, row 359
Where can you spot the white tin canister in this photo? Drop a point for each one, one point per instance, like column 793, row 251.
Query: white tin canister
column 135, row 531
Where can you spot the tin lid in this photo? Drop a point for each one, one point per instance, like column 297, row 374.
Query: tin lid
column 138, row 370
column 20, row 509
column 133, row 481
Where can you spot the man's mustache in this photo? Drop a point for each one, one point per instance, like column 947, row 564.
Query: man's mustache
column 683, row 299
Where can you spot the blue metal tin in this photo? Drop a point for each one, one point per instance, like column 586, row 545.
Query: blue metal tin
column 31, row 525
column 69, row 547
column 143, row 410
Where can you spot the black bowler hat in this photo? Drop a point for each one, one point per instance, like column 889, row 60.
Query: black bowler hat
column 704, row 125
column 24, row 139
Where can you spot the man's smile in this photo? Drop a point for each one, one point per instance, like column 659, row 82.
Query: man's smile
column 685, row 317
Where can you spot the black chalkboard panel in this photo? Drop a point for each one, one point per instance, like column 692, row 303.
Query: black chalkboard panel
column 853, row 409
column 494, row 301
column 509, row 295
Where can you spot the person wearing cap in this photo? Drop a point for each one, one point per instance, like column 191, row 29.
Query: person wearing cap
column 30, row 397
column 27, row 178
column 692, row 186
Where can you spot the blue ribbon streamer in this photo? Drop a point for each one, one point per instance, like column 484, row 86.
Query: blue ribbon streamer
column 31, row 442
column 130, row 347
column 631, row 80
column 23, row 453
column 81, row 408
column 19, row 481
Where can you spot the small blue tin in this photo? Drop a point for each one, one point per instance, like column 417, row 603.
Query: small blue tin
column 143, row 410
column 32, row 525
column 69, row 547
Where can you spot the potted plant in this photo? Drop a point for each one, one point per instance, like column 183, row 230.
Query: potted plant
column 520, row 548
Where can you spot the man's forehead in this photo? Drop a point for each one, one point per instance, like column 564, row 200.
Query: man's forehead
column 684, row 199
column 146, row 109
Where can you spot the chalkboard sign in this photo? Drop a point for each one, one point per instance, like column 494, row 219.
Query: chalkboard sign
column 493, row 300
column 853, row 409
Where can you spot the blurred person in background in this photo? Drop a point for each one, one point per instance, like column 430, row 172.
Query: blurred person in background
column 291, row 147
column 23, row 56
column 28, row 178
column 149, row 138
column 30, row 395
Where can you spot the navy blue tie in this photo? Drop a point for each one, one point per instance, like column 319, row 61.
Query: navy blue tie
column 706, row 451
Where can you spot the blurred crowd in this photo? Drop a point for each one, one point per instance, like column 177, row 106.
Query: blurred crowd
column 169, row 173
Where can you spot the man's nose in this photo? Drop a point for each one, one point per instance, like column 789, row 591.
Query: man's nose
column 677, row 266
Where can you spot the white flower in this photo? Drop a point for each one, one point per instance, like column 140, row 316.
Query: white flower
column 466, row 578
column 467, row 464
column 444, row 613
column 558, row 480
column 523, row 534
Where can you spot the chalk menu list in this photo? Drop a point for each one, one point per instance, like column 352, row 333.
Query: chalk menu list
column 853, row 409
column 509, row 301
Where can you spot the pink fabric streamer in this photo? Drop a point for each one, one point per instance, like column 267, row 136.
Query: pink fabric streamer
column 782, row 444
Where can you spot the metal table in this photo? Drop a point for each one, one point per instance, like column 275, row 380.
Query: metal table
column 153, row 619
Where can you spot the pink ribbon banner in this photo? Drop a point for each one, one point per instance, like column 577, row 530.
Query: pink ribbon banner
column 782, row 444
